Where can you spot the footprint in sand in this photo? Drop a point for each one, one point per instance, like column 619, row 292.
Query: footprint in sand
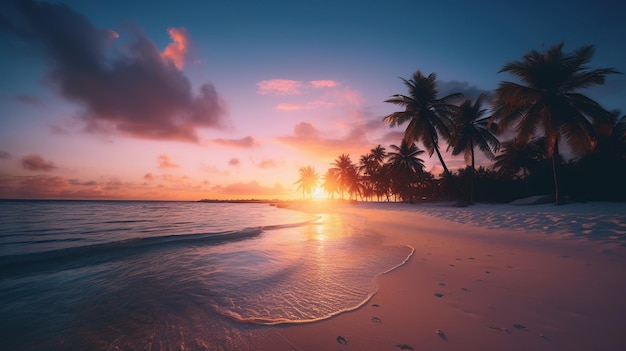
column 499, row 329
column 520, row 327
column 441, row 334
column 375, row 305
column 404, row 347
column 376, row 320
column 342, row 340
column 438, row 294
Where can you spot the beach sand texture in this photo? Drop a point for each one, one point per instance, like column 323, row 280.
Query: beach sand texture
column 533, row 284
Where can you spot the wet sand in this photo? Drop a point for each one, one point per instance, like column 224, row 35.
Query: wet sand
column 473, row 288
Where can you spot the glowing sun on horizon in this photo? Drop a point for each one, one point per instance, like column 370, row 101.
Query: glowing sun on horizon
column 318, row 193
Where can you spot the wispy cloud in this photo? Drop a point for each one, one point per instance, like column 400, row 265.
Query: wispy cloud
column 455, row 86
column 307, row 138
column 165, row 162
column 37, row 163
column 267, row 163
column 58, row 187
column 246, row 143
column 323, row 83
column 234, row 162
column 330, row 99
column 279, row 87
column 131, row 91
column 284, row 87
column 250, row 189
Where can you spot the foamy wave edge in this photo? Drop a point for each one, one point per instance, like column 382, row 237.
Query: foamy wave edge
column 264, row 321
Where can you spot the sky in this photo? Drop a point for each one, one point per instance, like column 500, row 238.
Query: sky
column 188, row 100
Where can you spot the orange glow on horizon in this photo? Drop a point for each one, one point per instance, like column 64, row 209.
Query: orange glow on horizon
column 318, row 194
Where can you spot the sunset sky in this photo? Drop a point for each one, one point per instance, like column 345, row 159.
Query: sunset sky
column 228, row 99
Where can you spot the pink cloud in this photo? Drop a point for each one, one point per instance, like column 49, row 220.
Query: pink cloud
column 267, row 163
column 164, row 162
column 173, row 179
column 247, row 142
column 148, row 176
column 312, row 141
column 279, row 87
column 37, row 163
column 323, row 83
column 330, row 99
column 234, row 162
column 57, row 187
column 293, row 107
column 250, row 189
column 177, row 50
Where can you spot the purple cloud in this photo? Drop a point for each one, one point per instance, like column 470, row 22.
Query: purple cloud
column 133, row 90
column 37, row 163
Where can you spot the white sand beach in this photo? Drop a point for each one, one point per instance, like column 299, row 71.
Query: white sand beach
column 487, row 277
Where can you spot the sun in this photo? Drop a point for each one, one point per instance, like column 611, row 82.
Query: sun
column 318, row 194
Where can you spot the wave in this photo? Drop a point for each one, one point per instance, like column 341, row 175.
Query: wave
column 280, row 321
column 97, row 253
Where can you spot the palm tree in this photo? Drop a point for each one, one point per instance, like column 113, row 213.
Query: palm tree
column 547, row 101
column 330, row 182
column 515, row 159
column 352, row 181
column 308, row 180
column 369, row 168
column 344, row 168
column 474, row 130
column 427, row 117
column 603, row 170
column 380, row 183
column 406, row 167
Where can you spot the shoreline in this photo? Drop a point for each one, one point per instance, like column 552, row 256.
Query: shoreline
column 474, row 288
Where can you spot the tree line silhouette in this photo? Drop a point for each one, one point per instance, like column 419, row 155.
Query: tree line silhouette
column 543, row 115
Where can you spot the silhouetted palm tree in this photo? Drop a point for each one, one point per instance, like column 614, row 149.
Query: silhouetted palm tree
column 330, row 182
column 353, row 183
column 612, row 135
column 547, row 102
column 308, row 180
column 604, row 170
column 380, row 183
column 406, row 167
column 344, row 169
column 428, row 117
column 368, row 166
column 515, row 159
column 472, row 129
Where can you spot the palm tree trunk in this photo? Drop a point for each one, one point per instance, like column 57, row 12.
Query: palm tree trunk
column 555, row 156
column 447, row 172
column 472, row 173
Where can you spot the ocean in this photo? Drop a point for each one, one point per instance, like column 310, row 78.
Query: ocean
column 149, row 275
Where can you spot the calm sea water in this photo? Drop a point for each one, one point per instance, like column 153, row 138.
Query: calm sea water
column 113, row 275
